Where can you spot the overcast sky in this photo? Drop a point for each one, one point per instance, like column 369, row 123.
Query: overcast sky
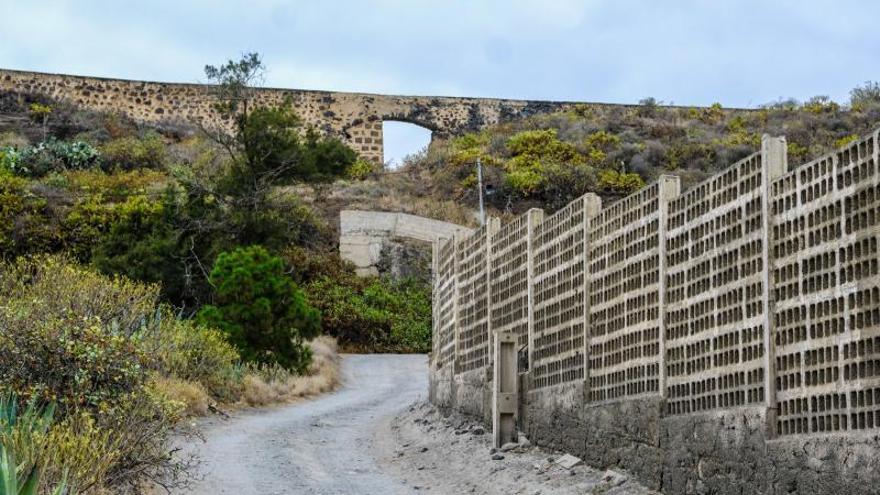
column 738, row 53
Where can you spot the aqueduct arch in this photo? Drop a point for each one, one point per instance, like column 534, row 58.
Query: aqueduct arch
column 356, row 118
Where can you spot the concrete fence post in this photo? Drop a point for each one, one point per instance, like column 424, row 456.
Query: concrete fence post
column 592, row 208
column 505, row 402
column 493, row 225
column 535, row 217
column 670, row 188
column 774, row 157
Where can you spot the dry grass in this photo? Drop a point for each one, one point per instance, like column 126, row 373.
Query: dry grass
column 269, row 386
column 191, row 396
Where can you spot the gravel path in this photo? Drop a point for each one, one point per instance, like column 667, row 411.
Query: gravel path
column 374, row 436
column 323, row 446
column 453, row 455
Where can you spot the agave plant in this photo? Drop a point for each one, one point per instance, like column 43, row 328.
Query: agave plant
column 22, row 478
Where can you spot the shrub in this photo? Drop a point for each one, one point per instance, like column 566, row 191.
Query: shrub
column 375, row 313
column 821, row 104
column 263, row 312
column 128, row 153
column 845, row 140
column 54, row 286
column 53, row 156
column 190, row 352
column 68, row 339
column 12, row 204
column 77, row 361
column 141, row 243
column 620, row 182
column 868, row 95
column 362, row 169
column 532, row 152
column 10, row 160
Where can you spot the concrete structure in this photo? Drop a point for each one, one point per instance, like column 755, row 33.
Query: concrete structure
column 362, row 234
column 721, row 340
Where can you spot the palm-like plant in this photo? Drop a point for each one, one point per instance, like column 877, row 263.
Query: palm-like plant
column 22, row 478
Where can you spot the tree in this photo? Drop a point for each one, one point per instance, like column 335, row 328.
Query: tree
column 260, row 308
column 269, row 145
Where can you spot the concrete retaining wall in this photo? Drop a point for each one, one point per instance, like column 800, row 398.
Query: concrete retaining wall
column 362, row 234
column 721, row 340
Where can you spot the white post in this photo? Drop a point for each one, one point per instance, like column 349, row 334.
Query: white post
column 504, row 390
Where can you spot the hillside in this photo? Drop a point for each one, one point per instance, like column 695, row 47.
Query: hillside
column 548, row 160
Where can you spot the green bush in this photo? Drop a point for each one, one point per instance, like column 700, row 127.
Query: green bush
column 141, row 243
column 375, row 314
column 618, row 182
column 192, row 352
column 53, row 156
column 533, row 152
column 69, row 338
column 260, row 308
column 362, row 169
column 10, row 160
column 128, row 153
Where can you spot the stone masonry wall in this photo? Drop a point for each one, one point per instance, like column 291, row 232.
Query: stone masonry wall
column 721, row 340
column 356, row 118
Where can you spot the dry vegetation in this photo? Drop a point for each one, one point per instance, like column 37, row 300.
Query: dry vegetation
column 269, row 386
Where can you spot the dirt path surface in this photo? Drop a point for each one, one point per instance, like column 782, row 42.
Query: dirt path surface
column 374, row 436
column 323, row 446
column 452, row 455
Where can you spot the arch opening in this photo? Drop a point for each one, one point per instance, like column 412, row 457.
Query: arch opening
column 402, row 139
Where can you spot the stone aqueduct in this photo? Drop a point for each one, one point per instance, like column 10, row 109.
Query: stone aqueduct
column 356, row 118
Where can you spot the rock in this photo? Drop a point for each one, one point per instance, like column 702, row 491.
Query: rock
column 497, row 457
column 614, row 478
column 460, row 432
column 524, row 441
column 507, row 447
column 568, row 461
column 478, row 431
column 423, row 449
column 493, row 450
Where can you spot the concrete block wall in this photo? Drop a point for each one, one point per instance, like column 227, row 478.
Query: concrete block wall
column 827, row 293
column 721, row 340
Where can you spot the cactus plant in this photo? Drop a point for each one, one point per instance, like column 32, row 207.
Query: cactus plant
column 22, row 478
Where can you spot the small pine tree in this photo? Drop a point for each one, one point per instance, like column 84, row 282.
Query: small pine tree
column 263, row 312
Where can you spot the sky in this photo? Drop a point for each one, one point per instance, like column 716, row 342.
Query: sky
column 689, row 52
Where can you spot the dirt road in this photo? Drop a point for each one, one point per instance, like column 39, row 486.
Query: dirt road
column 376, row 436
column 324, row 446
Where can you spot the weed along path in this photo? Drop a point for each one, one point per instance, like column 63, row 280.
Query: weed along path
column 322, row 446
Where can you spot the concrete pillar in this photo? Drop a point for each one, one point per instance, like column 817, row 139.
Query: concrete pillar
column 492, row 227
column 670, row 188
column 533, row 217
column 774, row 157
column 504, row 389
column 456, row 273
column 592, row 208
